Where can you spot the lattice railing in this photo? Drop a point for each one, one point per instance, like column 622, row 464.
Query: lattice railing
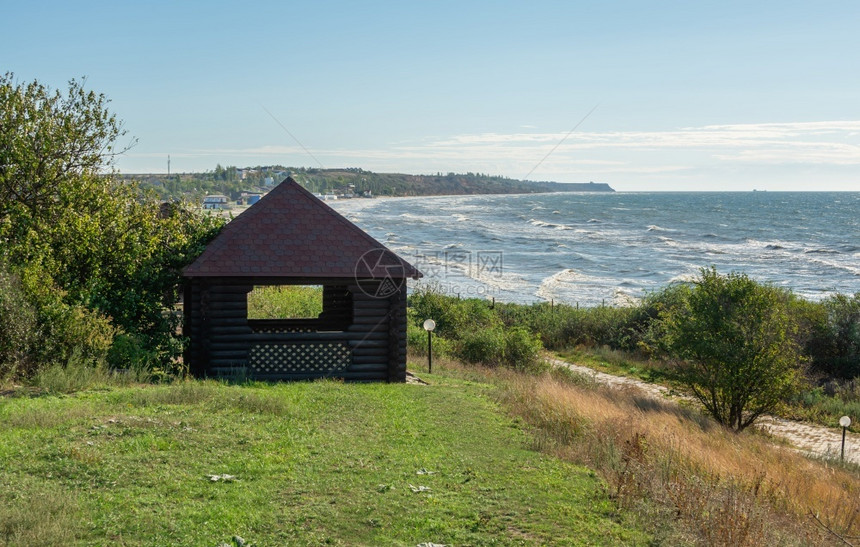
column 300, row 358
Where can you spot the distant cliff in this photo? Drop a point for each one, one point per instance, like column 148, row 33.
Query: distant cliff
column 577, row 186
column 232, row 181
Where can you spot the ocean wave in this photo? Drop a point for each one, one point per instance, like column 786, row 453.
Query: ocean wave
column 854, row 270
column 603, row 239
column 567, row 275
column 624, row 299
column 542, row 224
column 684, row 278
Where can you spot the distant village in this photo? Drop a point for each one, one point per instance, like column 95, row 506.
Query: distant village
column 227, row 188
column 252, row 196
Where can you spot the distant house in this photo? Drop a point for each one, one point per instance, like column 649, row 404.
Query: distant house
column 251, row 197
column 216, row 201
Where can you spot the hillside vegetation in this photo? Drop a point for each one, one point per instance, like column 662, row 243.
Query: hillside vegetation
column 233, row 182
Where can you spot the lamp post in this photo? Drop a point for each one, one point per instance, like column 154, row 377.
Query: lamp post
column 844, row 421
column 429, row 325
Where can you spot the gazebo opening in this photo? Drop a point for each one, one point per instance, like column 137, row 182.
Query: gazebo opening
column 299, row 308
column 285, row 302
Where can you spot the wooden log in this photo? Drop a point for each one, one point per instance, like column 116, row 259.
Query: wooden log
column 216, row 312
column 240, row 305
column 379, row 367
column 286, row 337
column 368, row 344
column 231, row 289
column 230, row 322
column 346, row 376
column 218, row 330
column 370, row 321
column 369, row 312
column 240, row 355
column 228, row 363
column 368, row 359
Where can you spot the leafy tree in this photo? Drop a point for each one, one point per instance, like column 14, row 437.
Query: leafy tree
column 95, row 256
column 843, row 329
column 735, row 342
column 48, row 140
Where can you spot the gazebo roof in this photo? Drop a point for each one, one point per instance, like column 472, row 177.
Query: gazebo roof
column 291, row 233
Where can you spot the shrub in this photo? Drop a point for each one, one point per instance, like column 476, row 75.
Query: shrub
column 522, row 349
column 452, row 315
column 416, row 340
column 843, row 325
column 131, row 352
column 19, row 332
column 486, row 346
column 734, row 339
column 74, row 331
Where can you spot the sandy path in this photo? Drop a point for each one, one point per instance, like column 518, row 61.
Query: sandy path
column 811, row 439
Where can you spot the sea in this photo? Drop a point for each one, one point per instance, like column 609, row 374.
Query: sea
column 593, row 249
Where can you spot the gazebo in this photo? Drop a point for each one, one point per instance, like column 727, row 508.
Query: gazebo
column 290, row 237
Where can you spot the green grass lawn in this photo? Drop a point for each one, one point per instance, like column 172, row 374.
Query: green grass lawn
column 314, row 463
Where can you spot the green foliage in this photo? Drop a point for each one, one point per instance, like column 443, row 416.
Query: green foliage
column 416, row 339
column 735, row 342
column 95, row 256
column 486, row 346
column 74, row 332
column 19, row 332
column 452, row 315
column 131, row 352
column 843, row 327
column 48, row 139
column 522, row 349
column 471, row 330
column 285, row 301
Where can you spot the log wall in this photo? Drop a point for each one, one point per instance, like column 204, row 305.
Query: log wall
column 358, row 337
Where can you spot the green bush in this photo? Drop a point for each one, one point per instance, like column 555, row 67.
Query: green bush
column 416, row 340
column 843, row 324
column 19, row 331
column 512, row 347
column 131, row 352
column 452, row 315
column 74, row 331
column 485, row 346
column 522, row 349
column 736, row 347
column 94, row 253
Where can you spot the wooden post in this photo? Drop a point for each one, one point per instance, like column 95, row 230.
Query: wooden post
column 429, row 352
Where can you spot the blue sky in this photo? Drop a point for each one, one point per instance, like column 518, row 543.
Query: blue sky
column 689, row 95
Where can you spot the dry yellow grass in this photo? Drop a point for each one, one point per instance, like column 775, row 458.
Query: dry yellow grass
column 696, row 481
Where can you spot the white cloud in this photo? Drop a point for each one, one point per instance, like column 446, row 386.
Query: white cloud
column 682, row 153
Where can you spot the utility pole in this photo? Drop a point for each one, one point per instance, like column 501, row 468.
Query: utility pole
column 168, row 165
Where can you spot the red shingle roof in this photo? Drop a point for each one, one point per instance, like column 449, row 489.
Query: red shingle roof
column 291, row 233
